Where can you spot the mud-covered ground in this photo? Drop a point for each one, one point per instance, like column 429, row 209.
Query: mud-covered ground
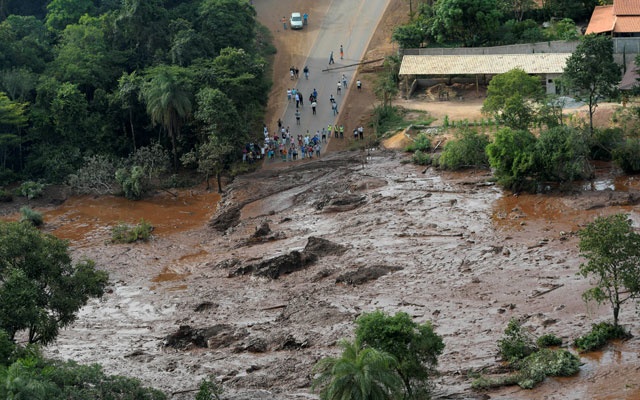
column 262, row 308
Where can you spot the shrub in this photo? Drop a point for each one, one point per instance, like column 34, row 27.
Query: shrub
column 209, row 389
column 627, row 156
column 511, row 155
column 562, row 154
column 546, row 362
column 421, row 158
column 97, row 175
column 31, row 189
column 599, row 336
column 5, row 196
column 604, row 141
column 420, row 143
column 549, row 340
column 516, row 343
column 466, row 150
column 132, row 182
column 31, row 216
column 124, row 233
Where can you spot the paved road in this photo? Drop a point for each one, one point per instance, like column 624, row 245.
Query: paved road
column 347, row 22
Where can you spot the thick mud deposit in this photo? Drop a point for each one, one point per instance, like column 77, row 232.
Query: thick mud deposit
column 346, row 238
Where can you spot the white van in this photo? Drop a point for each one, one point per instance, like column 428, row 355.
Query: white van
column 296, row 20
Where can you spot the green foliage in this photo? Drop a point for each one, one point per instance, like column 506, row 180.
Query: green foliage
column 125, row 233
column 549, row 340
column 516, row 343
column 6, row 196
column 421, row 158
column 41, row 290
column 627, row 156
column 421, row 143
column 7, row 348
column 132, row 182
column 546, row 362
column 599, row 336
column 97, row 176
column 359, row 373
column 416, row 347
column 591, row 69
column 470, row 22
column 35, row 378
column 512, row 157
column 562, row 155
column 612, row 250
column 209, row 390
column 467, row 150
column 28, row 215
column 605, row 142
column 30, row 189
column 510, row 97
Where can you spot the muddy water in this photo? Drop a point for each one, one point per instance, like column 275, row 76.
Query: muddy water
column 84, row 216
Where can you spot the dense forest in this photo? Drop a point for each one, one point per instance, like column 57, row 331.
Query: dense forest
column 91, row 83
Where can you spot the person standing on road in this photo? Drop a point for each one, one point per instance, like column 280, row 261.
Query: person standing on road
column 305, row 17
column 334, row 107
column 313, row 107
column 341, row 52
column 305, row 70
column 289, row 95
column 315, row 94
column 359, row 85
column 344, row 81
column 284, row 23
column 341, row 131
column 361, row 132
column 331, row 58
column 297, row 117
column 338, row 90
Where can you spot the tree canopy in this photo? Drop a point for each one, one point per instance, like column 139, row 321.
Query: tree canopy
column 41, row 289
column 612, row 250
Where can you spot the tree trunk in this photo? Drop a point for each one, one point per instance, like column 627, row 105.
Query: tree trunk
column 616, row 311
column 133, row 134
column 219, row 178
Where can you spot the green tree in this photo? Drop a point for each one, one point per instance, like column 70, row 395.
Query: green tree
column 222, row 31
column 466, row 150
column 592, row 70
column 141, row 28
column 470, row 22
column 167, row 94
column 126, row 96
column 562, row 155
column 415, row 346
column 360, row 373
column 61, row 13
column 24, row 42
column 612, row 249
column 510, row 97
column 12, row 119
column 210, row 158
column 512, row 157
column 517, row 8
column 41, row 290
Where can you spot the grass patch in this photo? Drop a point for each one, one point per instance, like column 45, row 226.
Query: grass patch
column 392, row 119
column 599, row 336
column 421, row 158
column 125, row 233
column 31, row 216
column 420, row 143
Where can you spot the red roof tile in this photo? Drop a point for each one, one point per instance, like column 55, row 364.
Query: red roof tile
column 627, row 24
column 602, row 20
column 626, row 7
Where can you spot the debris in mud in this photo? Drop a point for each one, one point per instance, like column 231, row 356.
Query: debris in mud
column 226, row 219
column 204, row 306
column 264, row 234
column 227, row 264
column 292, row 261
column 213, row 337
column 324, row 247
column 262, row 230
column 345, row 202
column 274, row 267
column 289, row 342
column 365, row 274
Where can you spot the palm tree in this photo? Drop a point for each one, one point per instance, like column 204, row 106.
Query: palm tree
column 167, row 95
column 358, row 374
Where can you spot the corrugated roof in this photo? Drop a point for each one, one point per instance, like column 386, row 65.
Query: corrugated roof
column 602, row 20
column 538, row 63
column 626, row 7
column 627, row 24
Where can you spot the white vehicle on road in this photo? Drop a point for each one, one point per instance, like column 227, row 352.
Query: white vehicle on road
column 296, row 20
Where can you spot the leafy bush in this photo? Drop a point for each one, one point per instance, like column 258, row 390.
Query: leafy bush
column 124, row 233
column 132, row 182
column 599, row 336
column 562, row 155
column 627, row 156
column 549, row 340
column 421, row 158
column 516, row 343
column 466, row 150
column 511, row 155
column 420, row 143
column 31, row 216
column 5, row 196
column 97, row 175
column 486, row 382
column 209, row 390
column 604, row 141
column 546, row 362
column 30, row 189
column 386, row 118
